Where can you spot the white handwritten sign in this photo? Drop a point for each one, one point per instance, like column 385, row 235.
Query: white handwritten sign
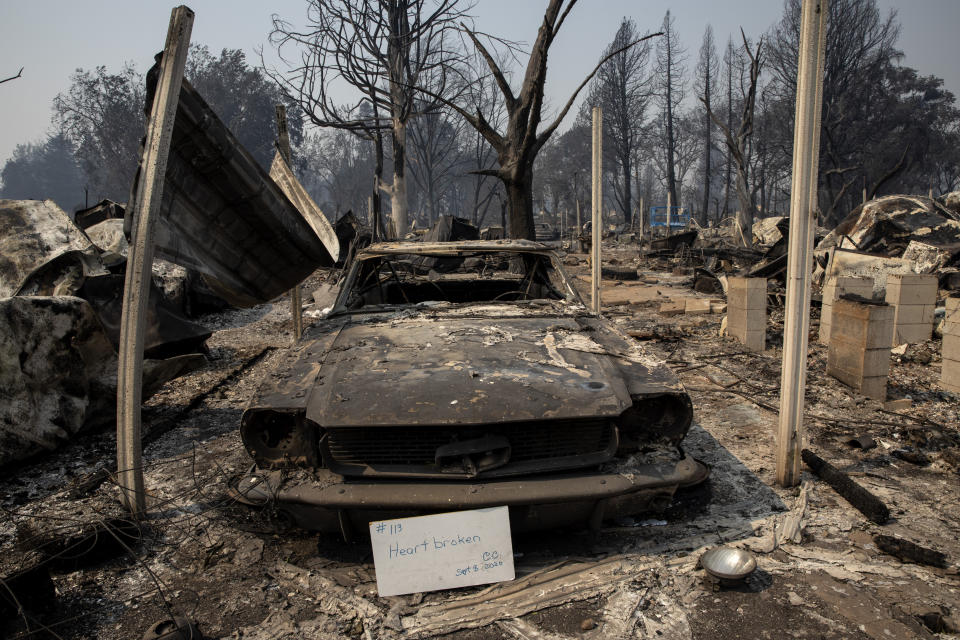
column 442, row 551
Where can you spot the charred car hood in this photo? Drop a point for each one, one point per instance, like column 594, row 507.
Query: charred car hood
column 465, row 371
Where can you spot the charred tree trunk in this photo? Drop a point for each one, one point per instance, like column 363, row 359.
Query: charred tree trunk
column 745, row 200
column 727, row 172
column 708, row 146
column 398, row 55
column 398, row 191
column 520, row 199
column 377, row 222
column 738, row 142
column 627, row 192
column 671, row 140
column 518, row 145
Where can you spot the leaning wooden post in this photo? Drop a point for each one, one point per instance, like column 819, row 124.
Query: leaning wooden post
column 803, row 215
column 596, row 205
column 283, row 143
column 140, row 259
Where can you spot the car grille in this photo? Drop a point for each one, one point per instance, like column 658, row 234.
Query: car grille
column 534, row 446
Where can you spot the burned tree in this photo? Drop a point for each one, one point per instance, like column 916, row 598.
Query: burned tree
column 885, row 127
column 621, row 87
column 706, row 80
column 383, row 49
column 517, row 147
column 101, row 115
column 737, row 140
column 436, row 158
column 670, row 93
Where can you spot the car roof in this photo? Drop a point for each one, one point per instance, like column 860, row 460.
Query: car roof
column 460, row 246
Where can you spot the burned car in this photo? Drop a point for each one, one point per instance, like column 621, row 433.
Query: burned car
column 460, row 375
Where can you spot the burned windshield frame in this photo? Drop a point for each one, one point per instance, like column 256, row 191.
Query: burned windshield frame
column 384, row 281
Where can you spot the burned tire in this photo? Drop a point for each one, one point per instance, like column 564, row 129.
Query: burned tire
column 619, row 273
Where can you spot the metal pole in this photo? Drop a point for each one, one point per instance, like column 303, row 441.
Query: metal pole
column 803, row 214
column 597, row 205
column 283, row 142
column 140, row 259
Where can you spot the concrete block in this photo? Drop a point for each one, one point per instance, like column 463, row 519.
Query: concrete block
column 832, row 290
column 901, row 404
column 754, row 340
column 696, row 306
column 747, row 311
column 875, row 388
column 859, row 353
column 951, row 321
column 747, row 284
column 950, row 375
column 849, row 356
column 857, row 285
column 752, row 334
column 747, row 298
column 951, row 328
column 911, row 333
column 739, row 321
column 951, row 347
column 869, row 325
column 826, row 324
column 911, row 289
column 911, row 279
column 673, row 307
column 913, row 314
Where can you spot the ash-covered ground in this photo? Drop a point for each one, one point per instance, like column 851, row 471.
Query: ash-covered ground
column 243, row 573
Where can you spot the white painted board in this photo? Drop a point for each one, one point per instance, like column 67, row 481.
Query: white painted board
column 442, row 551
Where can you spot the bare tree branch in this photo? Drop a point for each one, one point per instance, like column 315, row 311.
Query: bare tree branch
column 19, row 74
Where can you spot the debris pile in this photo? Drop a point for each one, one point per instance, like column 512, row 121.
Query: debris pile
column 60, row 327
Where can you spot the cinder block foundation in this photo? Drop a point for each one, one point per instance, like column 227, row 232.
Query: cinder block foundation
column 832, row 290
column 950, row 352
column 747, row 311
column 859, row 353
column 913, row 297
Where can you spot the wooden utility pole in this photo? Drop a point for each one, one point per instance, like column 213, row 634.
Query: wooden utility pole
column 283, row 143
column 803, row 219
column 596, row 205
column 140, row 259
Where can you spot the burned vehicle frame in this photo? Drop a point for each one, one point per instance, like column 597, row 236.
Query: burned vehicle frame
column 462, row 375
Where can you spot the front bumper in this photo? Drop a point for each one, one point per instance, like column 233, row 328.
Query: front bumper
column 322, row 500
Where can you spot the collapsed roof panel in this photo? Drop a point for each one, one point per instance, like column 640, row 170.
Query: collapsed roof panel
column 222, row 214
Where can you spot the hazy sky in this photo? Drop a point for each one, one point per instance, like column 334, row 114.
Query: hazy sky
column 51, row 39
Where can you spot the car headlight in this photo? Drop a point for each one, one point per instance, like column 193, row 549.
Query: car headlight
column 655, row 420
column 280, row 438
